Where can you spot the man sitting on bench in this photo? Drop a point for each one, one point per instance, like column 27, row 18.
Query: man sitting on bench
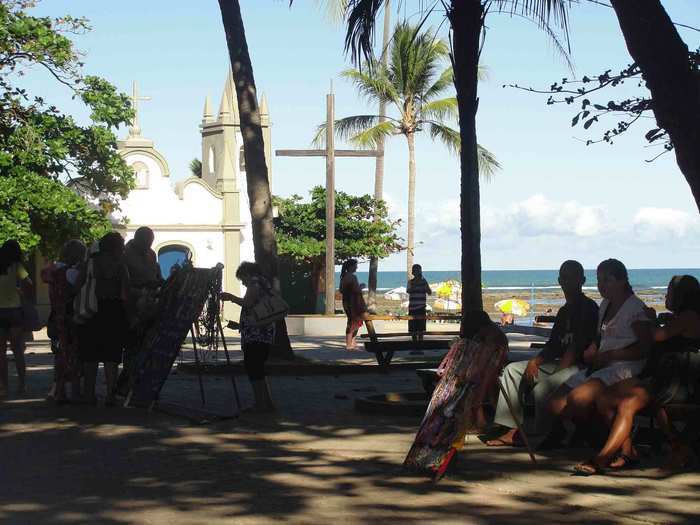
column 574, row 329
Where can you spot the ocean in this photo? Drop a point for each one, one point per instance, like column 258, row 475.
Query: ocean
column 494, row 280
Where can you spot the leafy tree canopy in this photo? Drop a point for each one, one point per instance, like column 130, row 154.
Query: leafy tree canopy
column 51, row 166
column 300, row 227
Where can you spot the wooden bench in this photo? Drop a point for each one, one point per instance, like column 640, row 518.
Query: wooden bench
column 428, row 376
column 384, row 350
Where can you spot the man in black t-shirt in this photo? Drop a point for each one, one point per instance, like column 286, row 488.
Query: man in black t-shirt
column 575, row 327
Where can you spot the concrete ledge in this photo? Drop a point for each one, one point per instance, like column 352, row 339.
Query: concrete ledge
column 325, row 325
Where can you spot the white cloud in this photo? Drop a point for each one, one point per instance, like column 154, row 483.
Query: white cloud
column 539, row 232
column 655, row 224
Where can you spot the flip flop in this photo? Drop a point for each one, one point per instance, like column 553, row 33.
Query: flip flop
column 587, row 468
column 498, row 442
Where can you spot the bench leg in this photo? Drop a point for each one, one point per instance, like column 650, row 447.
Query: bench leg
column 384, row 359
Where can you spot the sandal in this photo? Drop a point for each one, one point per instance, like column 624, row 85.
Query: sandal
column 500, row 442
column 588, row 468
column 622, row 461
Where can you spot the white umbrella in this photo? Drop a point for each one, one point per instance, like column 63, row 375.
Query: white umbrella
column 396, row 294
column 443, row 304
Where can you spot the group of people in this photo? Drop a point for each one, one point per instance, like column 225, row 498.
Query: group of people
column 103, row 300
column 355, row 308
column 603, row 365
column 98, row 296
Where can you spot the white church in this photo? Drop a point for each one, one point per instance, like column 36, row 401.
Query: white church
column 207, row 218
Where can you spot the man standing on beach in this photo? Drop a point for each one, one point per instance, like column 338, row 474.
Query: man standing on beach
column 574, row 329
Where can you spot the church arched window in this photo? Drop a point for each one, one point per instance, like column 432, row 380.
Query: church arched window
column 172, row 256
column 241, row 160
column 141, row 174
column 212, row 161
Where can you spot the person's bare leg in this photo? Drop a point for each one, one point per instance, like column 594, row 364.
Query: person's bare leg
column 348, row 339
column 619, row 437
column 557, row 403
column 581, row 401
column 17, row 344
column 353, row 339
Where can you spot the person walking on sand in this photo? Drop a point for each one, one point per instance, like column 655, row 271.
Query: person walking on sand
column 574, row 329
column 418, row 289
column 15, row 286
column 353, row 302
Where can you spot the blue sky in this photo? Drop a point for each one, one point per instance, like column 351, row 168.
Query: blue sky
column 555, row 198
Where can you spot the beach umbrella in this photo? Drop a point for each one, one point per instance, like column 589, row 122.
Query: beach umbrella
column 448, row 289
column 513, row 306
column 396, row 294
column 447, row 305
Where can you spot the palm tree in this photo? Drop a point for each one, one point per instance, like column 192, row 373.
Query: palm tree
column 412, row 84
column 467, row 22
column 258, row 182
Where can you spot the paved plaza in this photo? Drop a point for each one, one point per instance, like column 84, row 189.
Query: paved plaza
column 317, row 461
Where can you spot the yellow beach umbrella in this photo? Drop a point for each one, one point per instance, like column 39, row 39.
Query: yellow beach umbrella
column 513, row 306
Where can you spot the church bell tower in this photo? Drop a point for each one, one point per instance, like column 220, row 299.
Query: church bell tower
column 223, row 170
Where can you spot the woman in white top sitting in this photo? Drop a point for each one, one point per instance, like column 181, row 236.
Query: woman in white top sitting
column 620, row 351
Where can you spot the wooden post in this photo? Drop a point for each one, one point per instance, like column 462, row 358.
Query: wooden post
column 330, row 204
column 330, row 153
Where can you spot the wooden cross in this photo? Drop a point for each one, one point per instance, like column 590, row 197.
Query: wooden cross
column 330, row 153
column 135, row 128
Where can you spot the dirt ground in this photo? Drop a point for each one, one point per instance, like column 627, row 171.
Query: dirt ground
column 317, row 461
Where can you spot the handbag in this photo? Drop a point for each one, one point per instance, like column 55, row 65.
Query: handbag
column 269, row 308
column 85, row 305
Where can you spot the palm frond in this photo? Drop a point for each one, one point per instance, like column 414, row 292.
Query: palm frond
column 372, row 83
column 543, row 13
column 445, row 134
column 369, row 138
column 440, row 110
column 415, row 59
column 542, row 10
column 361, row 16
column 445, row 81
column 334, row 10
column 347, row 128
column 488, row 163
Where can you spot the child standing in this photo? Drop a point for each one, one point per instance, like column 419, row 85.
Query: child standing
column 418, row 289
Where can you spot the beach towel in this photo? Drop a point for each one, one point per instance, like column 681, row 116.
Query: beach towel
column 466, row 373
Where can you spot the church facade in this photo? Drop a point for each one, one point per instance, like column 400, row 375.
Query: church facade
column 205, row 218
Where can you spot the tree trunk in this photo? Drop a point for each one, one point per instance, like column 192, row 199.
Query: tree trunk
column 411, row 138
column 257, row 179
column 379, row 168
column 466, row 18
column 673, row 80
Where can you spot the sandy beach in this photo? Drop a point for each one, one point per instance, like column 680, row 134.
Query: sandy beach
column 543, row 302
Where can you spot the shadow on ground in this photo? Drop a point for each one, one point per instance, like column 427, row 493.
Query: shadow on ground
column 317, row 461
